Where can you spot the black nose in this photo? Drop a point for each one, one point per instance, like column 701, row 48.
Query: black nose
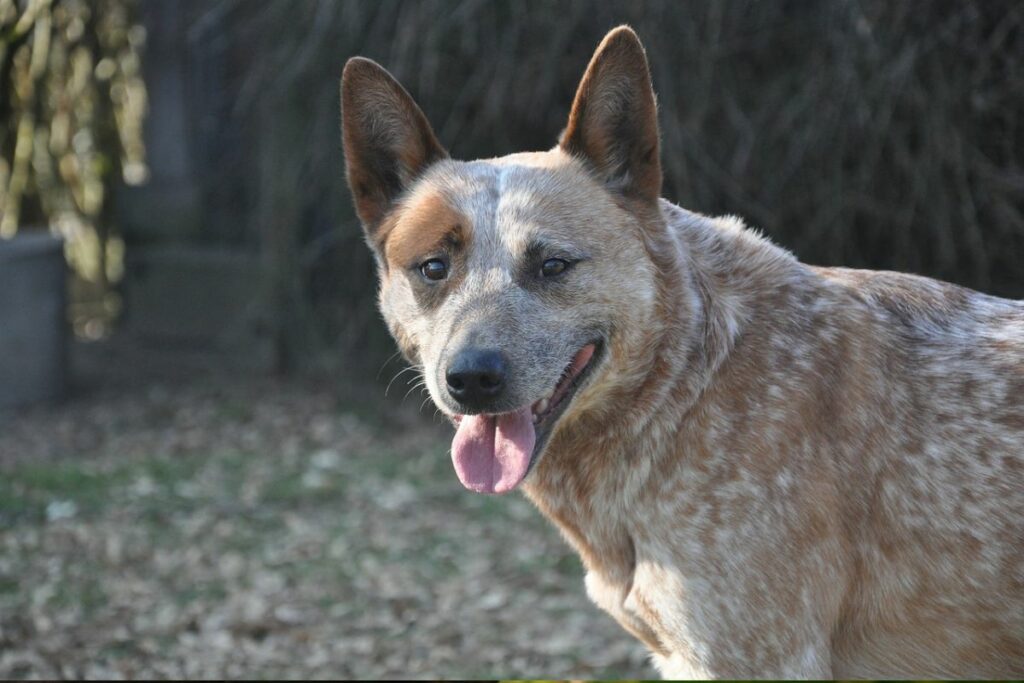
column 476, row 377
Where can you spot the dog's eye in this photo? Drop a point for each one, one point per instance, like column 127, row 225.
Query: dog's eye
column 434, row 269
column 553, row 267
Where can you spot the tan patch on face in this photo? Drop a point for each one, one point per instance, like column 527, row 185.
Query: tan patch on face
column 427, row 225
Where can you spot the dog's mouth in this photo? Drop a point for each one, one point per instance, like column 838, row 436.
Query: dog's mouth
column 494, row 453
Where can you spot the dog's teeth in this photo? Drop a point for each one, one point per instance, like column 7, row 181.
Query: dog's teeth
column 542, row 405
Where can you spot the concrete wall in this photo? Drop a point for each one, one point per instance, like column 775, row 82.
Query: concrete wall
column 33, row 326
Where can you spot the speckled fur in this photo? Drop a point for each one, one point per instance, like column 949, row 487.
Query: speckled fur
column 778, row 470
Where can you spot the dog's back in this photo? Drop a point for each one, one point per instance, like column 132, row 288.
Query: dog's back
column 940, row 549
column 880, row 417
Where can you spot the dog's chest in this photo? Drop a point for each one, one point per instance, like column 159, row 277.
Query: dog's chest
column 674, row 641
column 627, row 600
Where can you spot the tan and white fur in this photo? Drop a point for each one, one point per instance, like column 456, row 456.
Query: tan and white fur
column 769, row 469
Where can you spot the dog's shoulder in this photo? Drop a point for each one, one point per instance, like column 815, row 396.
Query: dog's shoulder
column 961, row 350
column 932, row 310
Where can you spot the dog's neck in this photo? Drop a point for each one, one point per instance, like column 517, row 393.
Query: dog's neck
column 711, row 276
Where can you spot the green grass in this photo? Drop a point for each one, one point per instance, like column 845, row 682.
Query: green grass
column 87, row 593
column 210, row 591
column 9, row 585
column 27, row 488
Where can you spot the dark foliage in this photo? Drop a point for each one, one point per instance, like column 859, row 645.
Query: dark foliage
column 869, row 134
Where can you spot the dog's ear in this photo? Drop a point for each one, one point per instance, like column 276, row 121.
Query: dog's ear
column 613, row 125
column 387, row 139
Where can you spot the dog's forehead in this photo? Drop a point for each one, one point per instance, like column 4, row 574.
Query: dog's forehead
column 508, row 199
column 498, row 208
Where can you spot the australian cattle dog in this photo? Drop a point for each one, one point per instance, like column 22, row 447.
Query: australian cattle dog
column 768, row 469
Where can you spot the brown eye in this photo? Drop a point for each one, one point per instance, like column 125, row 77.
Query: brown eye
column 553, row 267
column 434, row 269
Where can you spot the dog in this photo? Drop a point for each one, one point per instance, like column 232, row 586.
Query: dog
column 768, row 469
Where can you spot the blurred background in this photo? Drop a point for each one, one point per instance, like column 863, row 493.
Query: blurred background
column 203, row 469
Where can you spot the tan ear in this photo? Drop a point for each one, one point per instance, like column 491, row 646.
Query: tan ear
column 613, row 125
column 387, row 139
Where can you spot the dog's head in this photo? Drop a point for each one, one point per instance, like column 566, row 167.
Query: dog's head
column 518, row 284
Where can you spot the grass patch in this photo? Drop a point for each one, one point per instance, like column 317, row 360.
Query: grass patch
column 212, row 591
column 85, row 593
column 9, row 585
column 27, row 489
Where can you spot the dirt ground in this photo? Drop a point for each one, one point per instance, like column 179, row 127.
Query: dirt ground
column 178, row 521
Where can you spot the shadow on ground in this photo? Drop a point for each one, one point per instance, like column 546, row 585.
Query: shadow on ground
column 220, row 525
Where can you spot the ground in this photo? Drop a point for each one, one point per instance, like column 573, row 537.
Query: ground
column 203, row 524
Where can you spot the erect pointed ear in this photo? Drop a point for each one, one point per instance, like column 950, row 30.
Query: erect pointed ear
column 613, row 125
column 387, row 139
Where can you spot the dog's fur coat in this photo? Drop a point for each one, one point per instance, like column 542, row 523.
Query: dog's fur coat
column 773, row 469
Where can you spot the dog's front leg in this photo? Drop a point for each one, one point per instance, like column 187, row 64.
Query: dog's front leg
column 810, row 665
column 785, row 651
column 610, row 597
column 729, row 626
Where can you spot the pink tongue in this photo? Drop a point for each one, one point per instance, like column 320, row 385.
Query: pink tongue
column 491, row 453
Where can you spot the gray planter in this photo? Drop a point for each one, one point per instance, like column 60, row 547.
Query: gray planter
column 33, row 323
